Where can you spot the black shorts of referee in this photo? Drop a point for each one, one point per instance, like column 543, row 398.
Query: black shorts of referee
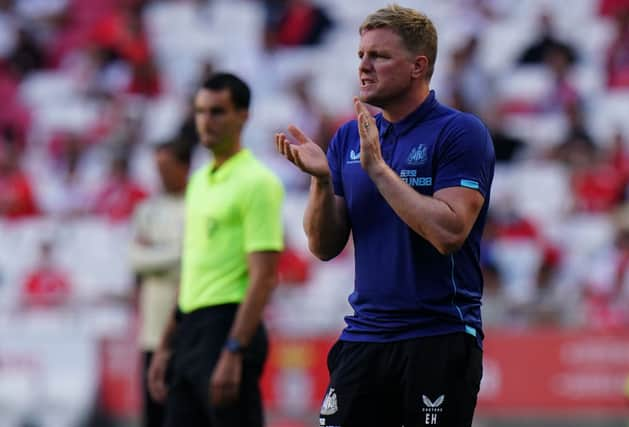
column 199, row 339
column 428, row 381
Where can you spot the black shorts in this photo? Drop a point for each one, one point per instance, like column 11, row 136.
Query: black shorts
column 429, row 381
column 197, row 344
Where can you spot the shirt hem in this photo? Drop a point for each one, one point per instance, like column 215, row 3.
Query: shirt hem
column 387, row 337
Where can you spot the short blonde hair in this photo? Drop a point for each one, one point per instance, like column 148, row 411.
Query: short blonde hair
column 416, row 30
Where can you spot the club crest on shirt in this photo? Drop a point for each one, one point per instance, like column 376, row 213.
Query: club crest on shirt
column 417, row 156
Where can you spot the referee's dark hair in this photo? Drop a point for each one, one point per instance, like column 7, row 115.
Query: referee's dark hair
column 238, row 89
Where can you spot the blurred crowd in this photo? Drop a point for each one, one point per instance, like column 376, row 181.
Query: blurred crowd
column 88, row 88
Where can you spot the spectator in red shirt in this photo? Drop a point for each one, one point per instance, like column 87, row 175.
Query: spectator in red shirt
column 122, row 32
column 121, row 36
column 293, row 268
column 46, row 286
column 16, row 194
column 598, row 187
column 119, row 196
column 145, row 79
column 292, row 23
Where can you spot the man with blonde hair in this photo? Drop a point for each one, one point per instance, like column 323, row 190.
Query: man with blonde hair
column 412, row 185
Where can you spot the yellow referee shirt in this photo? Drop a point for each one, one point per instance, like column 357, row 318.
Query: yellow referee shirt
column 230, row 212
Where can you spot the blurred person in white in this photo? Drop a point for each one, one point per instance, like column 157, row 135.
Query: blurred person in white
column 8, row 28
column 577, row 149
column 521, row 264
column 564, row 92
column 309, row 116
column 509, row 148
column 64, row 188
column 557, row 60
column 477, row 15
column 155, row 256
column 607, row 281
column 469, row 85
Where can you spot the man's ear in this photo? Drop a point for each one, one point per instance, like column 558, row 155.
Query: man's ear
column 244, row 115
column 420, row 67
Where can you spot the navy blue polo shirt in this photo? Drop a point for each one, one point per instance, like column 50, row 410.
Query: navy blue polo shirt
column 404, row 288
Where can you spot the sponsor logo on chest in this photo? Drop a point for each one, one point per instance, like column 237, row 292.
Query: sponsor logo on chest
column 410, row 177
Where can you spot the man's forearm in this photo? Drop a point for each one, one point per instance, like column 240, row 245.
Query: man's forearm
column 249, row 314
column 150, row 259
column 324, row 223
column 444, row 223
column 167, row 335
column 263, row 279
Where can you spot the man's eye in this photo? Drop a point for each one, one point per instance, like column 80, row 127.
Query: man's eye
column 217, row 111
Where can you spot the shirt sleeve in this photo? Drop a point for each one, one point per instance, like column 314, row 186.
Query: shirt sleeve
column 465, row 156
column 152, row 257
column 334, row 160
column 262, row 215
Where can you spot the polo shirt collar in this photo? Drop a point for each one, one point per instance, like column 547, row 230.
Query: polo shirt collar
column 225, row 170
column 413, row 118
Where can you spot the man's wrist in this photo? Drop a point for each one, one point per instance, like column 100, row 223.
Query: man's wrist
column 321, row 181
column 233, row 345
column 378, row 170
column 165, row 344
column 163, row 350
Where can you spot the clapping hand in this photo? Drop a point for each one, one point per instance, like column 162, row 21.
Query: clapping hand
column 305, row 153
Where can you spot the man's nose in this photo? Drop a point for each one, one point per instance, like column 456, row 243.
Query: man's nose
column 202, row 121
column 364, row 64
column 205, row 117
